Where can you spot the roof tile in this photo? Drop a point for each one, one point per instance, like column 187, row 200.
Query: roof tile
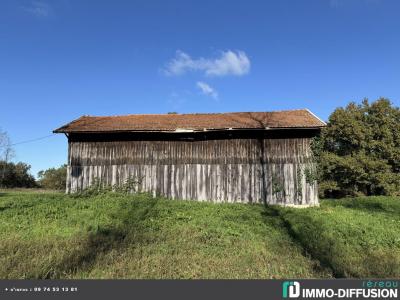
column 302, row 118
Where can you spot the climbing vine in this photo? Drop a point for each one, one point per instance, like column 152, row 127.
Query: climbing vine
column 311, row 175
column 299, row 183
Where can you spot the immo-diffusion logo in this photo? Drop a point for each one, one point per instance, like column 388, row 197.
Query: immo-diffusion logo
column 381, row 289
column 290, row 289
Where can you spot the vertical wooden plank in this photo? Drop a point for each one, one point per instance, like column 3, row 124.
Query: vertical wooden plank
column 214, row 170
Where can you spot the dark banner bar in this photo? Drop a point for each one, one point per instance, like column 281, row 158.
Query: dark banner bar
column 200, row 289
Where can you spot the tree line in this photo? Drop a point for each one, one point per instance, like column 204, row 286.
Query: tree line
column 357, row 153
column 17, row 174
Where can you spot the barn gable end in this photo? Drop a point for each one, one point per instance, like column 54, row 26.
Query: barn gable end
column 235, row 157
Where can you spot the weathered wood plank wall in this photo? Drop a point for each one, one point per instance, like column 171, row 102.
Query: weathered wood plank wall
column 226, row 170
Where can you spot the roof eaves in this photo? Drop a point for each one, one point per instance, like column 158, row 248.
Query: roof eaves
column 315, row 116
column 61, row 130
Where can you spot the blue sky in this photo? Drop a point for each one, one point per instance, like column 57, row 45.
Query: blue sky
column 61, row 59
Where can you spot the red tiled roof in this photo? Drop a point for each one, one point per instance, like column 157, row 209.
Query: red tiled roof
column 301, row 118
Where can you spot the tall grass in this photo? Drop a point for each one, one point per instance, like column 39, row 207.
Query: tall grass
column 110, row 235
column 357, row 237
column 117, row 236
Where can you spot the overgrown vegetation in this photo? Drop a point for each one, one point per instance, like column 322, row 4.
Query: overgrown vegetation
column 357, row 237
column 113, row 235
column 358, row 152
column 129, row 186
column 53, row 178
column 53, row 235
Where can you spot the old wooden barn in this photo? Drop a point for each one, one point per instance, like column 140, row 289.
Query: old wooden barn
column 227, row 157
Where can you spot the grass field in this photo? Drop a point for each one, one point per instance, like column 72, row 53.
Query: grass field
column 51, row 235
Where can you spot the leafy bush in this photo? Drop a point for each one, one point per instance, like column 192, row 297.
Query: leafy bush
column 131, row 185
column 53, row 178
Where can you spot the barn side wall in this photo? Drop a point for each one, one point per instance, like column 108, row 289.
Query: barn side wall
column 277, row 171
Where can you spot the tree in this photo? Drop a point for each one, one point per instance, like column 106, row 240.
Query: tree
column 53, row 178
column 13, row 174
column 6, row 153
column 6, row 150
column 359, row 150
column 16, row 175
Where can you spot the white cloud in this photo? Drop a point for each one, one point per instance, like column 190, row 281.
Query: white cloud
column 229, row 63
column 38, row 9
column 207, row 90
